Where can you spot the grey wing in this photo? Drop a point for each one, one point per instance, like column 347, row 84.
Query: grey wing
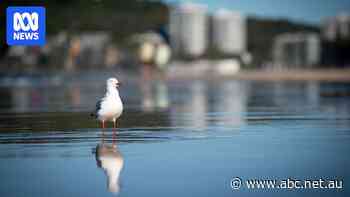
column 98, row 105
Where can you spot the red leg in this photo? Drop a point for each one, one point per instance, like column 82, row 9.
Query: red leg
column 103, row 124
column 114, row 131
column 103, row 134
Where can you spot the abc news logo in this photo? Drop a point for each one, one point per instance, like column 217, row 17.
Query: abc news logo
column 32, row 25
column 25, row 25
column 33, row 20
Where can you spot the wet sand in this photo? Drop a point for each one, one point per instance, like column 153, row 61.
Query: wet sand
column 194, row 138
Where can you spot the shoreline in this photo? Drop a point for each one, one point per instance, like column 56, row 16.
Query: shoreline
column 327, row 75
column 209, row 73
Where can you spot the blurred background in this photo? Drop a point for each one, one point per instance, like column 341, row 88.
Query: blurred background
column 148, row 42
column 179, row 35
column 176, row 39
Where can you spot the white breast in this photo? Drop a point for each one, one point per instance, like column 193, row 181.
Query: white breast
column 111, row 108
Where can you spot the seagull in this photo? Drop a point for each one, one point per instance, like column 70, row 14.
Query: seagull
column 110, row 107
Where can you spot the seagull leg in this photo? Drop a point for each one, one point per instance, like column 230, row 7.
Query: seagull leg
column 114, row 131
column 103, row 124
column 103, row 133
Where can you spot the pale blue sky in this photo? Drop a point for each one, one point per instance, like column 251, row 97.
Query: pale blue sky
column 310, row 11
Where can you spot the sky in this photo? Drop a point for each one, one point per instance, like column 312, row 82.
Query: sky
column 309, row 11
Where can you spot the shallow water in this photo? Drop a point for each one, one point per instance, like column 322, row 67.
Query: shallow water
column 180, row 138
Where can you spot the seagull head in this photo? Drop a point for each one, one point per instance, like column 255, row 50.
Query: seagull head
column 113, row 82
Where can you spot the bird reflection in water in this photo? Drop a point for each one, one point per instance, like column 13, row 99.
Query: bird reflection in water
column 111, row 161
